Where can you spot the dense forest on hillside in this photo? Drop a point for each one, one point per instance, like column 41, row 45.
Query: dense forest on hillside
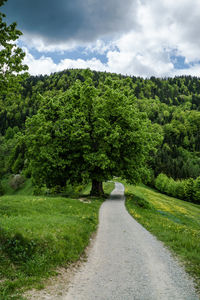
column 171, row 103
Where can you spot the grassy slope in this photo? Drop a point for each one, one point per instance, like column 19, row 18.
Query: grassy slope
column 39, row 233
column 173, row 221
column 26, row 189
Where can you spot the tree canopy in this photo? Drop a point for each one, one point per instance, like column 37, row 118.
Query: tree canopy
column 89, row 133
column 171, row 104
column 11, row 56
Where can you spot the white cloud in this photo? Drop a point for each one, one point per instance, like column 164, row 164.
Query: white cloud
column 165, row 27
column 135, row 59
column 45, row 65
column 193, row 70
column 100, row 47
column 162, row 29
column 36, row 42
column 93, row 64
column 173, row 24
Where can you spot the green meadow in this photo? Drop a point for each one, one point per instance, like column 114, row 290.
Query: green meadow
column 175, row 222
column 40, row 233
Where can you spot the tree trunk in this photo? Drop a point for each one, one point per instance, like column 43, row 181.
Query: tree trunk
column 97, row 188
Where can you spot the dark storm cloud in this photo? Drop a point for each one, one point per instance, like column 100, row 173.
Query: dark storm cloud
column 63, row 20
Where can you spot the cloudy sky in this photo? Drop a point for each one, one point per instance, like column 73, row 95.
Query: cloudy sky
column 134, row 37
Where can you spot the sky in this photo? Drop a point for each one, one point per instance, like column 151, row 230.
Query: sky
column 133, row 37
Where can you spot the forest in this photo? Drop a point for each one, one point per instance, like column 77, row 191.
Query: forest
column 169, row 107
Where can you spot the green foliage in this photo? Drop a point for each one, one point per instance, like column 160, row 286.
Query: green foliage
column 172, row 105
column 197, row 190
column 179, row 157
column 88, row 133
column 11, row 64
column 12, row 153
column 188, row 189
column 9, row 133
column 189, row 192
column 11, row 56
column 1, row 189
column 174, row 222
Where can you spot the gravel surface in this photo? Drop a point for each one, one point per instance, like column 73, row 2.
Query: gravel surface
column 127, row 262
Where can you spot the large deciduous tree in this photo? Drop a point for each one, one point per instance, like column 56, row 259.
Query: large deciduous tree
column 90, row 133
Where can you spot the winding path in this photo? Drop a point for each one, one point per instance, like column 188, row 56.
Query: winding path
column 127, row 262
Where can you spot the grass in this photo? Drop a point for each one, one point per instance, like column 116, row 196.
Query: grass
column 26, row 189
column 173, row 221
column 38, row 234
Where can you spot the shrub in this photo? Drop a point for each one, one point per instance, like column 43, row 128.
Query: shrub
column 37, row 191
column 161, row 182
column 18, row 164
column 170, row 187
column 16, row 181
column 197, row 190
column 1, row 189
column 55, row 190
column 188, row 189
column 180, row 189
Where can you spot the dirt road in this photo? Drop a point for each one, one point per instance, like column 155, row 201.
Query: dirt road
column 127, row 262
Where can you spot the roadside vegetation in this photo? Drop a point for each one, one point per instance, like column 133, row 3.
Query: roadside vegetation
column 40, row 233
column 188, row 189
column 173, row 221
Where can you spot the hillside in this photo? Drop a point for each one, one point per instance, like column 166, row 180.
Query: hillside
column 171, row 103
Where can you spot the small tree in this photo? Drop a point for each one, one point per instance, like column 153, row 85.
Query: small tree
column 189, row 189
column 197, row 190
column 1, row 189
column 11, row 56
column 88, row 133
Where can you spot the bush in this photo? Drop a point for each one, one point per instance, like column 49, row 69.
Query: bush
column 55, row 190
column 161, row 182
column 179, row 189
column 16, row 181
column 197, row 190
column 18, row 164
column 1, row 189
column 170, row 187
column 37, row 191
column 188, row 189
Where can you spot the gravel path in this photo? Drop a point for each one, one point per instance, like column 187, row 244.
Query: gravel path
column 127, row 262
